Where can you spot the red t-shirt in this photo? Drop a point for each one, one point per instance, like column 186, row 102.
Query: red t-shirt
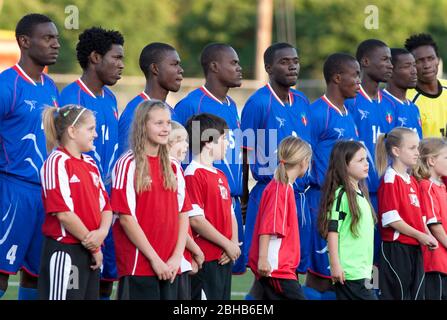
column 155, row 210
column 210, row 196
column 71, row 184
column 434, row 205
column 399, row 200
column 185, row 204
column 277, row 217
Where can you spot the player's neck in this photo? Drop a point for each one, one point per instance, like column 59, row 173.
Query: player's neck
column 91, row 80
column 217, row 89
column 370, row 86
column 204, row 158
column 400, row 167
column 281, row 91
column 151, row 149
column 428, row 87
column 72, row 149
column 399, row 93
column 155, row 91
column 335, row 96
column 33, row 70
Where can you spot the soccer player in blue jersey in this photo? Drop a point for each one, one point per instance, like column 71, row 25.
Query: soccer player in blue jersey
column 273, row 113
column 220, row 64
column 100, row 54
column 24, row 92
column 330, row 122
column 161, row 67
column 404, row 77
column 373, row 113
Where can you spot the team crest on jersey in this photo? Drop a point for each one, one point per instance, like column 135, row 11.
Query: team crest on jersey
column 414, row 200
column 304, row 119
column 95, row 178
column 389, row 117
column 223, row 190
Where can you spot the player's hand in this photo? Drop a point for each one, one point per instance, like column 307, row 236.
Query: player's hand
column 264, row 268
column 199, row 258
column 232, row 250
column 97, row 257
column 94, row 239
column 174, row 265
column 337, row 274
column 161, row 269
column 195, row 268
column 224, row 259
column 428, row 240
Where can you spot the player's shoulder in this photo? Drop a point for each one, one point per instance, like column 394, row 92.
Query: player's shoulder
column 298, row 95
column 7, row 79
column 109, row 93
column 70, row 89
column 443, row 83
column 197, row 169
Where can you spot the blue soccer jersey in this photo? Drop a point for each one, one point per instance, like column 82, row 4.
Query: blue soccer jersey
column 329, row 124
column 407, row 113
column 266, row 121
column 105, row 109
column 126, row 118
column 202, row 101
column 372, row 117
column 22, row 139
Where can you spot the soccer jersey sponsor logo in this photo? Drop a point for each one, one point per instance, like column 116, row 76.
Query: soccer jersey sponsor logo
column 74, row 179
column 402, row 121
column 363, row 114
column 340, row 132
column 281, row 121
column 31, row 104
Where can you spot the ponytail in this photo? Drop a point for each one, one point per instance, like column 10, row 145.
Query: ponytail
column 381, row 155
column 49, row 128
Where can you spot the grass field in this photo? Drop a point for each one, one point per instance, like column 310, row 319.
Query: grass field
column 239, row 287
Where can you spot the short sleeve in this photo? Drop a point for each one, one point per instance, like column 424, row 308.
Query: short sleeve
column 274, row 207
column 56, row 186
column 123, row 196
column 338, row 212
column 388, row 203
column 429, row 203
column 195, row 191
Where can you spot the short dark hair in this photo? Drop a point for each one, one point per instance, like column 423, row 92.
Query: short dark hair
column 96, row 39
column 396, row 52
column 152, row 53
column 367, row 46
column 335, row 63
column 26, row 24
column 207, row 122
column 211, row 53
column 419, row 40
column 269, row 54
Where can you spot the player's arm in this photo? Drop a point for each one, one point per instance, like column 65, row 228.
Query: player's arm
column 73, row 224
column 197, row 253
column 95, row 238
column 337, row 272
column 438, row 232
column 264, row 267
column 176, row 257
column 205, row 229
column 423, row 238
column 138, row 238
column 245, row 177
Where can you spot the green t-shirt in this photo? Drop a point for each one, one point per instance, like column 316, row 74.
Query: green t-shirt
column 355, row 253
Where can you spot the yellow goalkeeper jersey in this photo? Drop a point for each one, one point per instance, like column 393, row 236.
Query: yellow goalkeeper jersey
column 433, row 109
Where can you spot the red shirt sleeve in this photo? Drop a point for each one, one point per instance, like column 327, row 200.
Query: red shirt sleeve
column 429, row 202
column 195, row 192
column 56, row 186
column 276, row 205
column 123, row 196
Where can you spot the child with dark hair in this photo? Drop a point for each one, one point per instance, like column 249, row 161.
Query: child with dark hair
column 347, row 219
column 212, row 219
